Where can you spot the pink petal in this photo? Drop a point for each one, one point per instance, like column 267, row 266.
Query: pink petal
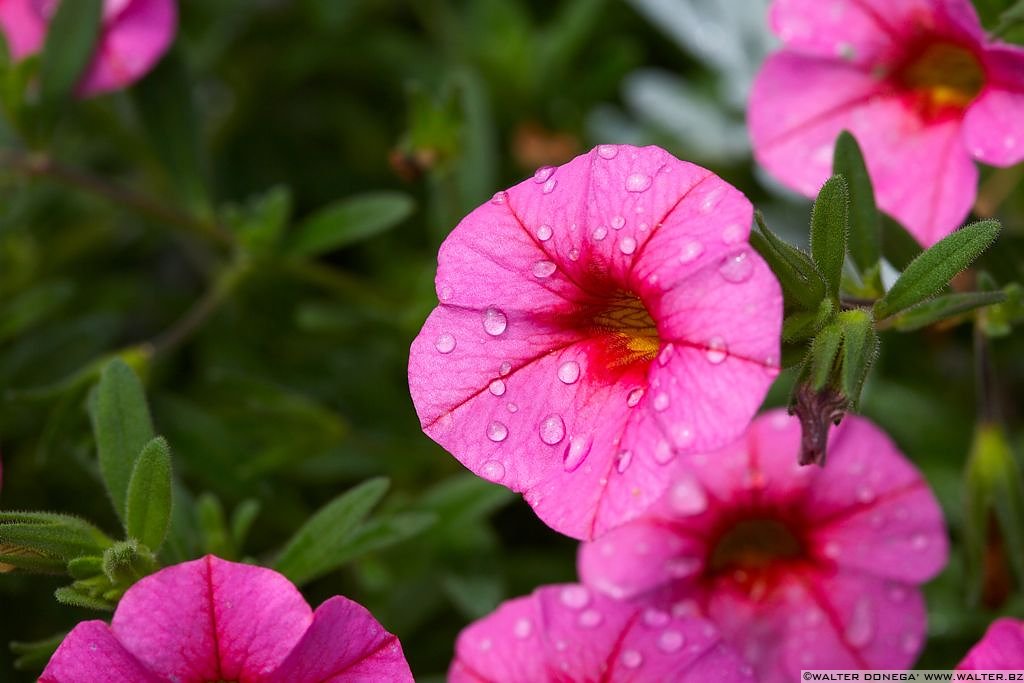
column 567, row 634
column 22, row 26
column 91, row 653
column 131, row 44
column 921, row 171
column 211, row 620
column 344, row 644
column 1001, row 648
column 994, row 123
column 511, row 376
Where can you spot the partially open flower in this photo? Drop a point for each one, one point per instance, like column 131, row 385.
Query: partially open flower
column 799, row 567
column 133, row 37
column 919, row 85
column 212, row 620
column 1001, row 648
column 597, row 322
column 567, row 634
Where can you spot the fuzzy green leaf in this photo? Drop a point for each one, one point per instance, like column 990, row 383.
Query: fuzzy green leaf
column 148, row 513
column 865, row 241
column 860, row 346
column 349, row 221
column 823, row 354
column 45, row 542
column 802, row 284
column 830, row 226
column 943, row 308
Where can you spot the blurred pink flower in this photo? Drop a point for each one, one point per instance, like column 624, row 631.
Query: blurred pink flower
column 212, row 620
column 917, row 82
column 134, row 36
column 799, row 567
column 1001, row 648
column 597, row 321
column 566, row 634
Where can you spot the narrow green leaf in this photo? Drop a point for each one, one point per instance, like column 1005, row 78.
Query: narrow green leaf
column 42, row 541
column 865, row 241
column 802, row 284
column 860, row 346
column 823, row 354
column 379, row 534
column 943, row 308
column 68, row 595
column 830, row 226
column 33, row 656
column 350, row 220
column 122, row 426
column 311, row 550
column 70, row 41
column 85, row 567
column 213, row 527
column 242, row 519
column 148, row 512
column 933, row 269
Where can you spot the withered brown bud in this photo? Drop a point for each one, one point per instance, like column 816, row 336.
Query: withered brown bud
column 818, row 411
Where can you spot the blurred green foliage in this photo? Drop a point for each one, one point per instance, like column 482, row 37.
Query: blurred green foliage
column 253, row 229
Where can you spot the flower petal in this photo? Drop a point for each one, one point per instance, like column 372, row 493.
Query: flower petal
column 22, row 26
column 1001, row 648
column 344, row 644
column 994, row 123
column 211, row 620
column 91, row 653
column 130, row 45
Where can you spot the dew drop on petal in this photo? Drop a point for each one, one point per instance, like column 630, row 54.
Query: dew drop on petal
column 637, row 182
column 445, row 343
column 683, row 435
column 576, row 452
column 631, row 659
column 543, row 269
column 919, row 542
column 897, row 593
column 505, row 368
column 590, row 618
column 682, row 567
column 495, row 321
column 549, row 186
column 575, row 597
column 634, row 397
column 492, row 470
column 670, row 641
column 569, row 372
column 542, row 174
column 618, row 222
column 445, row 293
column 865, row 494
column 497, row 432
column 732, row 234
column 600, row 232
column 716, row 350
column 544, row 233
column 911, row 643
column 665, row 354
column 486, row 644
column 663, row 452
column 512, row 408
column 860, row 629
column 711, row 200
column 627, row 245
column 687, row 497
column 552, row 429
column 660, row 402
column 622, row 461
column 497, row 387
column 499, row 197
column 607, row 151
column 832, row 550
column 691, row 252
column 522, row 628
column 574, row 254
column 736, row 268
column 655, row 618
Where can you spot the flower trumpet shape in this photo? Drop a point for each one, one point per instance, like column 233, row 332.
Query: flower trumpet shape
column 919, row 85
column 567, row 634
column 212, row 620
column 134, row 35
column 1001, row 648
column 799, row 567
column 597, row 322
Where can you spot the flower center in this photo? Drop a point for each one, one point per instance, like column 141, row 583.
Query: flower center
column 944, row 76
column 755, row 544
column 630, row 330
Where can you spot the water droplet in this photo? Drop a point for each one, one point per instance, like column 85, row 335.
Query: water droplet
column 919, row 542
column 497, row 387
column 576, row 452
column 486, row 644
column 627, row 245
column 691, row 252
column 600, row 232
column 670, row 641
column 574, row 254
column 445, row 293
column 522, row 628
column 736, row 268
column 732, row 234
column 661, row 401
column 618, row 222
column 495, row 321
column 590, row 618
column 569, row 372
column 683, row 435
column 655, row 618
column 665, row 354
column 860, row 629
column 622, row 461
column 512, row 408
column 544, row 233
column 499, row 197
column 445, row 343
column 711, row 200
column 607, row 151
column 637, row 182
column 687, row 497
column 911, row 643
column 865, row 494
column 832, row 550
column 562, row 646
column 542, row 174
column 663, row 452
column 682, row 567
column 634, row 397
column 631, row 659
column 497, row 432
column 575, row 597
column 716, row 350
column 897, row 593
column 552, row 429
column 492, row 470
column 549, row 186
column 543, row 269
column 505, row 368
column 846, row 51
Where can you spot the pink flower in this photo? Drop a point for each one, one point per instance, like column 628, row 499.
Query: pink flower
column 134, row 36
column 918, row 84
column 212, row 620
column 799, row 567
column 597, row 321
column 566, row 634
column 1001, row 648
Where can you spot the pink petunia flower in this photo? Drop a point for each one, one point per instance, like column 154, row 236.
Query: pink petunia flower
column 1001, row 648
column 597, row 321
column 799, row 567
column 566, row 634
column 134, row 35
column 212, row 620
column 917, row 82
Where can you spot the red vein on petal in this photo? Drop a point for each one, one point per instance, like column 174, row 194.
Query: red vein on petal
column 832, row 614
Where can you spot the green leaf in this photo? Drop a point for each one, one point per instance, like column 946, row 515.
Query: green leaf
column 350, row 220
column 802, row 284
column 46, row 542
column 929, row 272
column 944, row 307
column 33, row 656
column 865, row 241
column 830, row 225
column 85, row 567
column 68, row 595
column 898, row 246
column 860, row 346
column 122, row 426
column 213, row 527
column 242, row 519
column 382, row 533
column 311, row 551
column 260, row 223
column 70, row 42
column 148, row 512
column 823, row 354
